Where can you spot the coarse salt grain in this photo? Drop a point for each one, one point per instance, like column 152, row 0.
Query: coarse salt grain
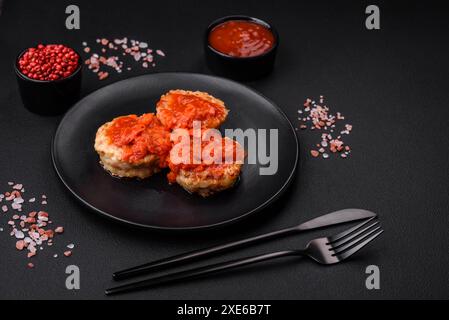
column 18, row 200
column 16, row 206
column 19, row 235
column 20, row 245
column 314, row 153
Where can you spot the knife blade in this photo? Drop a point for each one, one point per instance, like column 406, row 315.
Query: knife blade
column 336, row 217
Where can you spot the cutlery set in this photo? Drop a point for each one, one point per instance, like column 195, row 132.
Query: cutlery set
column 325, row 250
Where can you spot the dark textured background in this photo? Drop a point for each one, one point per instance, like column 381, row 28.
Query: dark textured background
column 391, row 84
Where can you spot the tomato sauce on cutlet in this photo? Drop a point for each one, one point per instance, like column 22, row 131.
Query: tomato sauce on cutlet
column 185, row 108
column 139, row 137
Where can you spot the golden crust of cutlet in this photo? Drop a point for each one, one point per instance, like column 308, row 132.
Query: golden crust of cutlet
column 203, row 184
column 111, row 158
column 208, row 182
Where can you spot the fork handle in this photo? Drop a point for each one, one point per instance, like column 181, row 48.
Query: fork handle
column 198, row 254
column 199, row 272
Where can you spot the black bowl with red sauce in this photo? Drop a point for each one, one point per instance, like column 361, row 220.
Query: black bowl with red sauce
column 49, row 96
column 241, row 47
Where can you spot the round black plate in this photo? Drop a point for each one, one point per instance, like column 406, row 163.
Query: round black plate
column 153, row 202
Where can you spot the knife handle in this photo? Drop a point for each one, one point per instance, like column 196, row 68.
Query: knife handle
column 199, row 254
column 201, row 271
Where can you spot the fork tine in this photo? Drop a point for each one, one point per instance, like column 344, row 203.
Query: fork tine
column 350, row 230
column 354, row 241
column 350, row 252
column 354, row 235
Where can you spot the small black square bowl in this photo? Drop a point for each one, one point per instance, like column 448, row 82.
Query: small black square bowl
column 240, row 68
column 47, row 97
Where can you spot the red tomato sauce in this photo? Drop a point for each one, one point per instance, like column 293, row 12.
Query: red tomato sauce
column 139, row 137
column 239, row 38
column 187, row 108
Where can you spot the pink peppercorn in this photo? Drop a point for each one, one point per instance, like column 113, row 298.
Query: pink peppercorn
column 48, row 62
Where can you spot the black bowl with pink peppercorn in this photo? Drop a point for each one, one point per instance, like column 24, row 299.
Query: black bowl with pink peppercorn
column 49, row 78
